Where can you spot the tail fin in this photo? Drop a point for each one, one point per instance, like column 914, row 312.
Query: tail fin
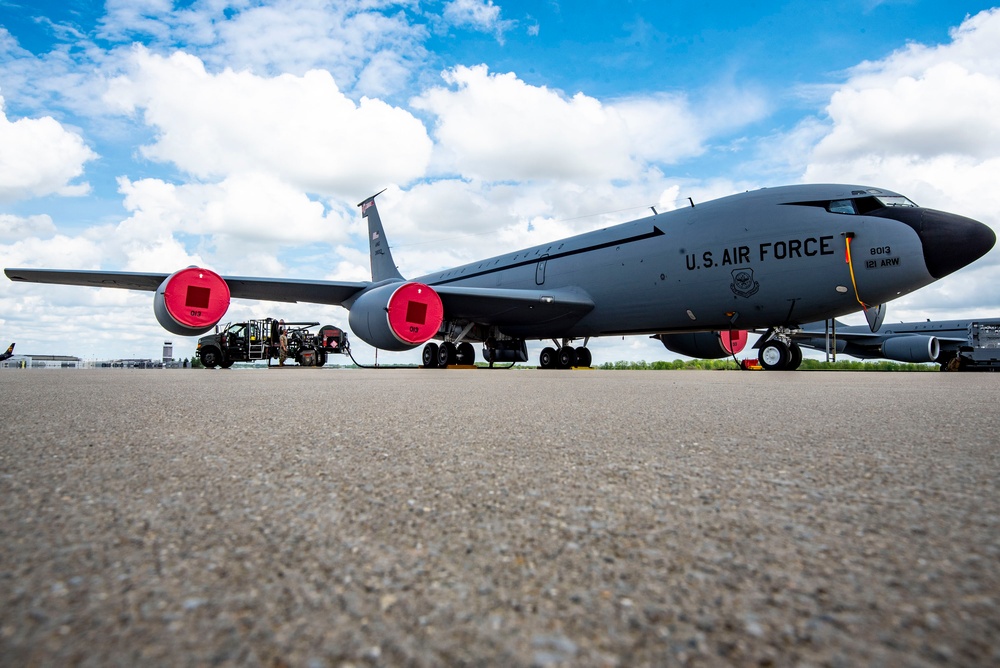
column 9, row 353
column 382, row 265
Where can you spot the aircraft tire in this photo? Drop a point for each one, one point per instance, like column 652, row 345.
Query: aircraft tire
column 774, row 356
column 794, row 357
column 430, row 356
column 466, row 353
column 547, row 359
column 583, row 357
column 210, row 356
column 447, row 354
column 566, row 357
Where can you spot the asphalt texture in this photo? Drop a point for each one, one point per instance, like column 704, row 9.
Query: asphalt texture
column 323, row 517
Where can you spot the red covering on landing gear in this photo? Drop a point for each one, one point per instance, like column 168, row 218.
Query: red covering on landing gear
column 415, row 313
column 196, row 298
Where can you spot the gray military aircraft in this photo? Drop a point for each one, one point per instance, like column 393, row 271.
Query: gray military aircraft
column 957, row 345
column 697, row 278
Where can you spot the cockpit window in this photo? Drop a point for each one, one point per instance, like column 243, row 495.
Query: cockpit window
column 894, row 200
column 859, row 205
column 867, row 204
column 841, row 206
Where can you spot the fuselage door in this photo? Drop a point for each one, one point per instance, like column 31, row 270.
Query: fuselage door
column 540, row 270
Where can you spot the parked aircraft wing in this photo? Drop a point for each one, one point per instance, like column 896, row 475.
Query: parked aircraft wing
column 861, row 335
column 513, row 307
column 845, row 332
column 272, row 289
column 94, row 279
column 291, row 290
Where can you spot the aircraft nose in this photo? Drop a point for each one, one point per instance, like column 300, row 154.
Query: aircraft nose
column 949, row 241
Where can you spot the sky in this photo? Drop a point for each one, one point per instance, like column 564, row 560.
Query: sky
column 239, row 135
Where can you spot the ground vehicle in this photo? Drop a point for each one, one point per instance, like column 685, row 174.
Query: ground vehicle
column 256, row 340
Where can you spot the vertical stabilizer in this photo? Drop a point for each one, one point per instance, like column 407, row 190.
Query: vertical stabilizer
column 382, row 265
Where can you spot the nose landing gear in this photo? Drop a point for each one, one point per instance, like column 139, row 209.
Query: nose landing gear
column 776, row 355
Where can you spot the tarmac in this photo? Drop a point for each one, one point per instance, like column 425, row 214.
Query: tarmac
column 404, row 517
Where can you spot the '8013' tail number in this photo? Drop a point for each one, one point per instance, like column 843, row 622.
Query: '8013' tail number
column 881, row 250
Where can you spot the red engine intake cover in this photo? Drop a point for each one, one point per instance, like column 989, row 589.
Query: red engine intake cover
column 415, row 313
column 733, row 341
column 196, row 298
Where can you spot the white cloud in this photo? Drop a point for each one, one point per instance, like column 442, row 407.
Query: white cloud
column 13, row 228
column 944, row 110
column 40, row 157
column 302, row 129
column 242, row 221
column 918, row 105
column 497, row 127
column 57, row 251
column 478, row 15
column 366, row 47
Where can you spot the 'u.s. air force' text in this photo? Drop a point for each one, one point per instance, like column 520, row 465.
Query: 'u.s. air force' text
column 767, row 250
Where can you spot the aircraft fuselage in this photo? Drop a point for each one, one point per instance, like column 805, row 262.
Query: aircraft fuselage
column 752, row 260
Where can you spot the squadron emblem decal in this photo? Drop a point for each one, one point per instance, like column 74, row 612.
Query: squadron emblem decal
column 743, row 284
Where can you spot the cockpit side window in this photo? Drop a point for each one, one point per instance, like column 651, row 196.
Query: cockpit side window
column 841, row 206
column 867, row 204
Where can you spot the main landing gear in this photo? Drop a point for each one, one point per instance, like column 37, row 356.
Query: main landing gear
column 777, row 355
column 565, row 356
column 448, row 354
column 504, row 351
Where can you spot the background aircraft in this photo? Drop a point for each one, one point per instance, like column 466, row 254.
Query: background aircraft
column 8, row 354
column 771, row 258
column 955, row 344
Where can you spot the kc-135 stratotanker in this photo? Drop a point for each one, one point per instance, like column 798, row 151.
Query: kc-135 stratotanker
column 697, row 278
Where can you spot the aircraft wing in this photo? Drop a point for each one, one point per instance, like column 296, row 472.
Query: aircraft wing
column 513, row 307
column 857, row 333
column 240, row 287
column 845, row 332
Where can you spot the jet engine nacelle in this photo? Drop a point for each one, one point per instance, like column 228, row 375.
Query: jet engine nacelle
column 191, row 301
column 397, row 316
column 915, row 348
column 706, row 345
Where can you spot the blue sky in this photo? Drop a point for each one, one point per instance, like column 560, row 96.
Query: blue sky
column 239, row 135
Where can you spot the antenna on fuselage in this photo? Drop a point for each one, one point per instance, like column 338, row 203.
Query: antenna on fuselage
column 692, row 202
